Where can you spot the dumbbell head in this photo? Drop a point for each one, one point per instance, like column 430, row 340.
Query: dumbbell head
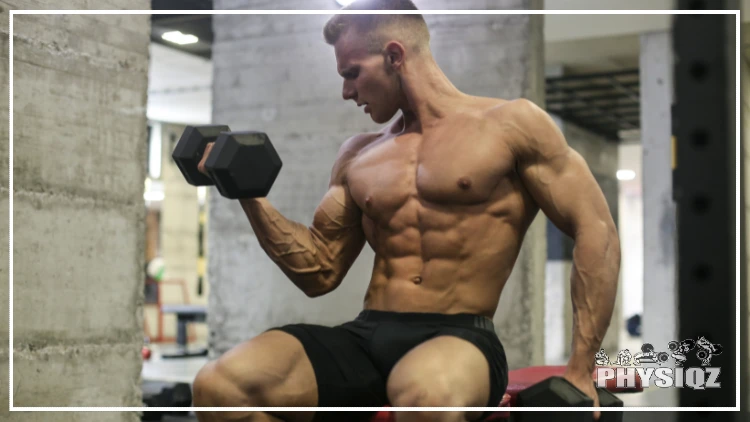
column 243, row 164
column 189, row 151
column 553, row 392
column 607, row 399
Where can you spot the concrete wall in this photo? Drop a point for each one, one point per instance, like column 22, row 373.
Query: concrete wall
column 277, row 75
column 660, row 261
column 79, row 165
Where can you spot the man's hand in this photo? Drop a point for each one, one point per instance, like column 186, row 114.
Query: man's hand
column 202, row 164
column 585, row 383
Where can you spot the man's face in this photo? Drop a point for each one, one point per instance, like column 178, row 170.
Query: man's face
column 368, row 79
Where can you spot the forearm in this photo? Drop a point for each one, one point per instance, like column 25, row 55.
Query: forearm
column 291, row 245
column 596, row 265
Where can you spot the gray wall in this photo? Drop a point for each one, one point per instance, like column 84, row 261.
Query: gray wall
column 79, row 166
column 276, row 74
column 660, row 286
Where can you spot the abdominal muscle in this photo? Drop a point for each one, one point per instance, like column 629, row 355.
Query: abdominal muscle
column 443, row 262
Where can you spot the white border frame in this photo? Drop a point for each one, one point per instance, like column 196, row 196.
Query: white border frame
column 738, row 58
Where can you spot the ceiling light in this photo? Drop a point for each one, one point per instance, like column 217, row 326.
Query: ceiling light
column 178, row 37
column 625, row 175
column 345, row 2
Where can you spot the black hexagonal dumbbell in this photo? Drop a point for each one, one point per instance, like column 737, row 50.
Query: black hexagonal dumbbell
column 189, row 151
column 558, row 392
column 240, row 164
column 243, row 164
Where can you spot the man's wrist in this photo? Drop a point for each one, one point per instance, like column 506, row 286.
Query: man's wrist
column 581, row 362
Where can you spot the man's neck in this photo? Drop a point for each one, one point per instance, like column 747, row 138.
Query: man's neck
column 429, row 95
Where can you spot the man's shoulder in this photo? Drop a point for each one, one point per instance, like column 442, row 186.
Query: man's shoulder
column 526, row 125
column 538, row 133
column 517, row 111
column 352, row 146
column 348, row 151
column 355, row 143
column 514, row 113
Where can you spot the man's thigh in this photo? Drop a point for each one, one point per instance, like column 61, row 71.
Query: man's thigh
column 270, row 370
column 451, row 367
column 344, row 372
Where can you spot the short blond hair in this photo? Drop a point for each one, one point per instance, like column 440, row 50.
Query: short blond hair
column 379, row 29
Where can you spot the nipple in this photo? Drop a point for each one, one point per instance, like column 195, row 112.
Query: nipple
column 417, row 280
column 464, row 183
column 368, row 201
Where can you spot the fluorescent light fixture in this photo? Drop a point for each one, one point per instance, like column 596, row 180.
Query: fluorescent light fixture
column 178, row 37
column 625, row 175
column 345, row 2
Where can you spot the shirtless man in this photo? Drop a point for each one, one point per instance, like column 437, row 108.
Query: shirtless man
column 444, row 196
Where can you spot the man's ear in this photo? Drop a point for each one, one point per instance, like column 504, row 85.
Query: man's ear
column 394, row 54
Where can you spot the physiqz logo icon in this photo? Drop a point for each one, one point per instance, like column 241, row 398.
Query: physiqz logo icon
column 626, row 366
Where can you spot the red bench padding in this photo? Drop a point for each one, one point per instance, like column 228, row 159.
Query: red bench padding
column 519, row 380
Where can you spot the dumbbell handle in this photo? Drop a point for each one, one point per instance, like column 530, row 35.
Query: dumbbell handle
column 204, row 160
column 240, row 164
column 190, row 150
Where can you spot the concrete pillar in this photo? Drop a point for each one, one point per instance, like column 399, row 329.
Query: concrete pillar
column 659, row 320
column 79, row 165
column 276, row 74
column 659, row 217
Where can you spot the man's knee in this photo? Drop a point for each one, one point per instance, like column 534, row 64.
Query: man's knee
column 270, row 370
column 215, row 387
column 415, row 389
column 413, row 392
column 422, row 390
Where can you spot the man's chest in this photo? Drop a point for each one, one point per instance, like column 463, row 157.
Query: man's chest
column 462, row 167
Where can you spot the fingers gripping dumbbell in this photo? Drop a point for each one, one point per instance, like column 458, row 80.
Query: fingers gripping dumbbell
column 559, row 392
column 240, row 164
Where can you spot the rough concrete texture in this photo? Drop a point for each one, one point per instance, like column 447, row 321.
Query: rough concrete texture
column 88, row 375
column 79, row 165
column 276, row 74
column 72, row 284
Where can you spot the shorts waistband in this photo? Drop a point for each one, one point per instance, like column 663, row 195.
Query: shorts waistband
column 468, row 320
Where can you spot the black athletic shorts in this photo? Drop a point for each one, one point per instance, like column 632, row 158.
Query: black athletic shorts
column 352, row 361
